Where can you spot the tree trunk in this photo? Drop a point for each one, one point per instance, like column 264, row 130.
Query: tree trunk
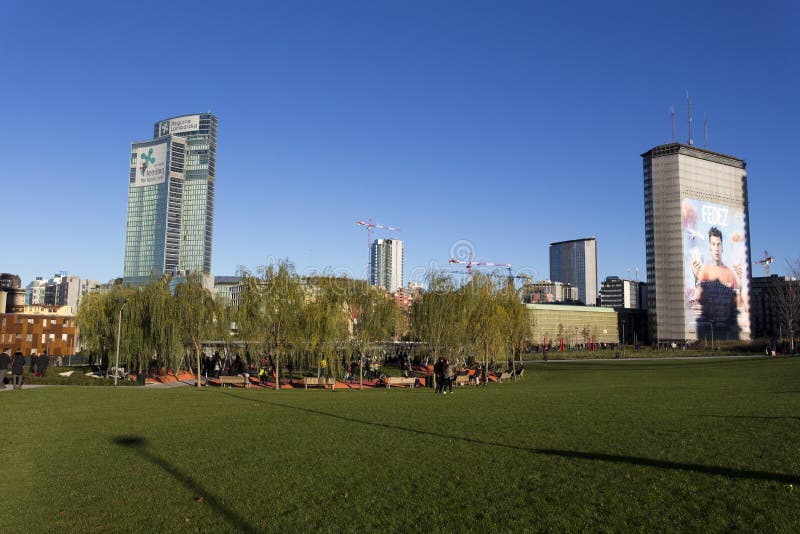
column 197, row 352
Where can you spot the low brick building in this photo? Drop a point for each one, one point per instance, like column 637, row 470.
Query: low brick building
column 36, row 329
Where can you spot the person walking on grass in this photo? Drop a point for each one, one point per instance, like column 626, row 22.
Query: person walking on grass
column 449, row 376
column 438, row 374
column 17, row 369
column 5, row 360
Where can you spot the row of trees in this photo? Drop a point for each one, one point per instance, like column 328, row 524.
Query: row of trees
column 304, row 321
column 483, row 319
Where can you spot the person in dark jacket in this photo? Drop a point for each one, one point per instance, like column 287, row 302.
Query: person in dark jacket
column 5, row 360
column 42, row 363
column 438, row 372
column 32, row 369
column 17, row 369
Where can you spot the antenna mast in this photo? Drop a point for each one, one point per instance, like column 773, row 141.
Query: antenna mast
column 705, row 131
column 672, row 114
column 689, row 110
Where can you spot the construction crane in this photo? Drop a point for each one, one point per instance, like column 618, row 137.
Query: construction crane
column 765, row 262
column 471, row 264
column 370, row 224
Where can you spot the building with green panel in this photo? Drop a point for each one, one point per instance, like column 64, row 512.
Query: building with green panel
column 171, row 199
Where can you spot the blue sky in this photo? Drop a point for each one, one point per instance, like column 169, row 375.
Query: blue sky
column 509, row 125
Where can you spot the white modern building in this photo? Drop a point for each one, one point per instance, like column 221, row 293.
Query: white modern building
column 386, row 264
column 697, row 236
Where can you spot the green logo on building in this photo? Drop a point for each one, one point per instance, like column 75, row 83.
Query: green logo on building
column 148, row 158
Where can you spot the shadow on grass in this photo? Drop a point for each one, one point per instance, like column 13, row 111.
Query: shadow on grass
column 615, row 458
column 139, row 446
column 639, row 364
column 764, row 417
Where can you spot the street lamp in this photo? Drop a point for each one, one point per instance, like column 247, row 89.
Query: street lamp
column 119, row 334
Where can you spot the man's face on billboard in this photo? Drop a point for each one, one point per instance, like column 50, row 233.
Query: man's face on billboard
column 715, row 244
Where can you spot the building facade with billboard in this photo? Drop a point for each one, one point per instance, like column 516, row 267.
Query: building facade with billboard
column 697, row 237
column 171, row 199
column 575, row 262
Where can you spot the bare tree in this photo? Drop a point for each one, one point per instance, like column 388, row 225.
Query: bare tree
column 786, row 297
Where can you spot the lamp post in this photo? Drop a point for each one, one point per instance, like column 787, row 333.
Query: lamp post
column 119, row 334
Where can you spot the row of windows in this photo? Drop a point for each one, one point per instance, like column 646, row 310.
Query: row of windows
column 10, row 338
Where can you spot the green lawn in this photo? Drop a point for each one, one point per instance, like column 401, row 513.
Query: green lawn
column 580, row 446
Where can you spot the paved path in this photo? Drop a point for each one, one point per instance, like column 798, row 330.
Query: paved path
column 654, row 359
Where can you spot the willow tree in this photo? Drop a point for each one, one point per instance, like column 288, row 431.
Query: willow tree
column 432, row 314
column 152, row 328
column 271, row 308
column 375, row 314
column 97, row 321
column 197, row 313
column 324, row 318
column 516, row 324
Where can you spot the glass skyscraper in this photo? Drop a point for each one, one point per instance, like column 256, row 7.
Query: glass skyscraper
column 171, row 199
column 575, row 262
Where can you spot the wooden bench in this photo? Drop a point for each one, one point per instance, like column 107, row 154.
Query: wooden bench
column 321, row 381
column 462, row 380
column 400, row 381
column 505, row 375
column 237, row 380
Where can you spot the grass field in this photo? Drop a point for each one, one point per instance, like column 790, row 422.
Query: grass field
column 579, row 446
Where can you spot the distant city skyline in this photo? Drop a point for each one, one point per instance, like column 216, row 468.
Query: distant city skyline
column 509, row 126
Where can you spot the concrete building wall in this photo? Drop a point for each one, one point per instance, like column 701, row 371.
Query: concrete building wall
column 672, row 174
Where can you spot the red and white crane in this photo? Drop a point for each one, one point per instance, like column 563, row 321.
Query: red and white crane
column 765, row 262
column 369, row 224
column 470, row 264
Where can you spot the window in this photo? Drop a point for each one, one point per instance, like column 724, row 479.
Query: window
column 28, row 338
column 52, row 337
column 30, row 320
column 64, row 338
column 44, row 322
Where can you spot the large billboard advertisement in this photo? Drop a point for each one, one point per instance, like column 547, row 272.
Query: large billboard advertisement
column 715, row 263
column 188, row 123
column 150, row 163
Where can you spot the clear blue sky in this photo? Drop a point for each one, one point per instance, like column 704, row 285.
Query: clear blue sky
column 507, row 124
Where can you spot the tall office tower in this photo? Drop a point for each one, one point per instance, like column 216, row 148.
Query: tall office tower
column 386, row 264
column 575, row 262
column 171, row 199
column 697, row 235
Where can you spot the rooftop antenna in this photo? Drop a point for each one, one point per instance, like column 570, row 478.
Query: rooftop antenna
column 705, row 131
column 672, row 114
column 689, row 110
column 637, row 273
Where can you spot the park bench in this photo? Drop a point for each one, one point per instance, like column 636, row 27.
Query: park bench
column 237, row 380
column 321, row 381
column 400, row 381
column 506, row 375
column 462, row 380
column 118, row 372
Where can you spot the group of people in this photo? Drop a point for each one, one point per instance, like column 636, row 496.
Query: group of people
column 445, row 374
column 17, row 363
